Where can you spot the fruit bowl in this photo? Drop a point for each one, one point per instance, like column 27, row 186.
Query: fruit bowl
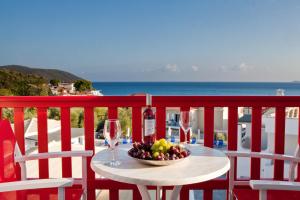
column 160, row 153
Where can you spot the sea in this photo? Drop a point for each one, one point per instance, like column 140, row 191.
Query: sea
column 198, row 88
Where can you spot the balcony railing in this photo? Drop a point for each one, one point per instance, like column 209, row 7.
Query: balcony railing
column 161, row 103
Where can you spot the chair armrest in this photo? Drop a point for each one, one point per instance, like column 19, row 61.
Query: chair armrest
column 262, row 155
column 35, row 184
column 62, row 154
column 274, row 185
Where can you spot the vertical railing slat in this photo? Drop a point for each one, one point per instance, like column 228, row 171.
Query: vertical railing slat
column 232, row 139
column 184, row 193
column 19, row 128
column 208, row 140
column 279, row 142
column 160, row 122
column 43, row 141
column 208, row 126
column 136, row 194
column 89, row 145
column 136, row 124
column 19, row 132
column 232, row 128
column 113, row 114
column 66, row 141
column 255, row 142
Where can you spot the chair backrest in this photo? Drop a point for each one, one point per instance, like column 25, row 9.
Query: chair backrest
column 293, row 165
column 292, row 171
column 8, row 171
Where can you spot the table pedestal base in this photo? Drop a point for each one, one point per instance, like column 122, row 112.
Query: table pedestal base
column 146, row 195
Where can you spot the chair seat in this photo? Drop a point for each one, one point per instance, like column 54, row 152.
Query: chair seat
column 248, row 194
column 41, row 194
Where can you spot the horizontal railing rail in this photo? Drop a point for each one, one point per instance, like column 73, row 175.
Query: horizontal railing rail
column 88, row 103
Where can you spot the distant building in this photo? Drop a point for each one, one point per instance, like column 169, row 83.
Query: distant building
column 63, row 89
column 96, row 93
column 68, row 89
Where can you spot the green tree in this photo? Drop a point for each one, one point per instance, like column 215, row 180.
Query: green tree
column 54, row 82
column 22, row 84
column 22, row 88
column 8, row 113
column 83, row 85
column 77, row 117
column 125, row 116
column 100, row 117
column 5, row 92
column 29, row 113
column 54, row 113
column 80, row 120
column 74, row 119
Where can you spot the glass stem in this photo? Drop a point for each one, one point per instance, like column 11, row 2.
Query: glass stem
column 185, row 139
column 113, row 154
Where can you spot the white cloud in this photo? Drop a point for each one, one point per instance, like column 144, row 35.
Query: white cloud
column 195, row 68
column 243, row 67
column 171, row 68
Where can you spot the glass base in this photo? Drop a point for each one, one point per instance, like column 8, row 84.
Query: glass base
column 184, row 145
column 113, row 163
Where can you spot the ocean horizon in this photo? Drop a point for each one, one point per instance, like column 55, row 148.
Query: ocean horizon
column 199, row 88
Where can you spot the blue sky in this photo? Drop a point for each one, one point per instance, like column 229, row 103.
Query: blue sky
column 170, row 40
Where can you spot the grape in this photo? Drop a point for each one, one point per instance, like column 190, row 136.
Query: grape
column 148, row 156
column 176, row 151
column 155, row 154
column 135, row 154
column 162, row 155
column 135, row 145
column 184, row 153
column 162, row 142
column 161, row 148
column 143, row 156
column 167, row 156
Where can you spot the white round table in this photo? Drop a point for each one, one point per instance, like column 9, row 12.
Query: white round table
column 202, row 165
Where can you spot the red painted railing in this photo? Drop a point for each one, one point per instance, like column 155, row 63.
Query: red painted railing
column 161, row 103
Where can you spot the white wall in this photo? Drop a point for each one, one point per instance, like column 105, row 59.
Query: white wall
column 291, row 134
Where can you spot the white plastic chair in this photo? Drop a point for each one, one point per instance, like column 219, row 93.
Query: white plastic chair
column 11, row 154
column 264, row 185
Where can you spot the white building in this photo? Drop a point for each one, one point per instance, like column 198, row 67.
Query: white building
column 268, row 138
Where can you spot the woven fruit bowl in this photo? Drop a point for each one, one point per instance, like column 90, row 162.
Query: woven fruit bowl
column 160, row 153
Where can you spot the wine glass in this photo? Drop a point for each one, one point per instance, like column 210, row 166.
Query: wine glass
column 185, row 122
column 112, row 133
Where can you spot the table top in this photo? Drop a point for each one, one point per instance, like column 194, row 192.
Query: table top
column 202, row 165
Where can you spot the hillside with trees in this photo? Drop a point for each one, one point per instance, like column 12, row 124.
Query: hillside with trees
column 47, row 74
column 14, row 83
column 16, row 80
